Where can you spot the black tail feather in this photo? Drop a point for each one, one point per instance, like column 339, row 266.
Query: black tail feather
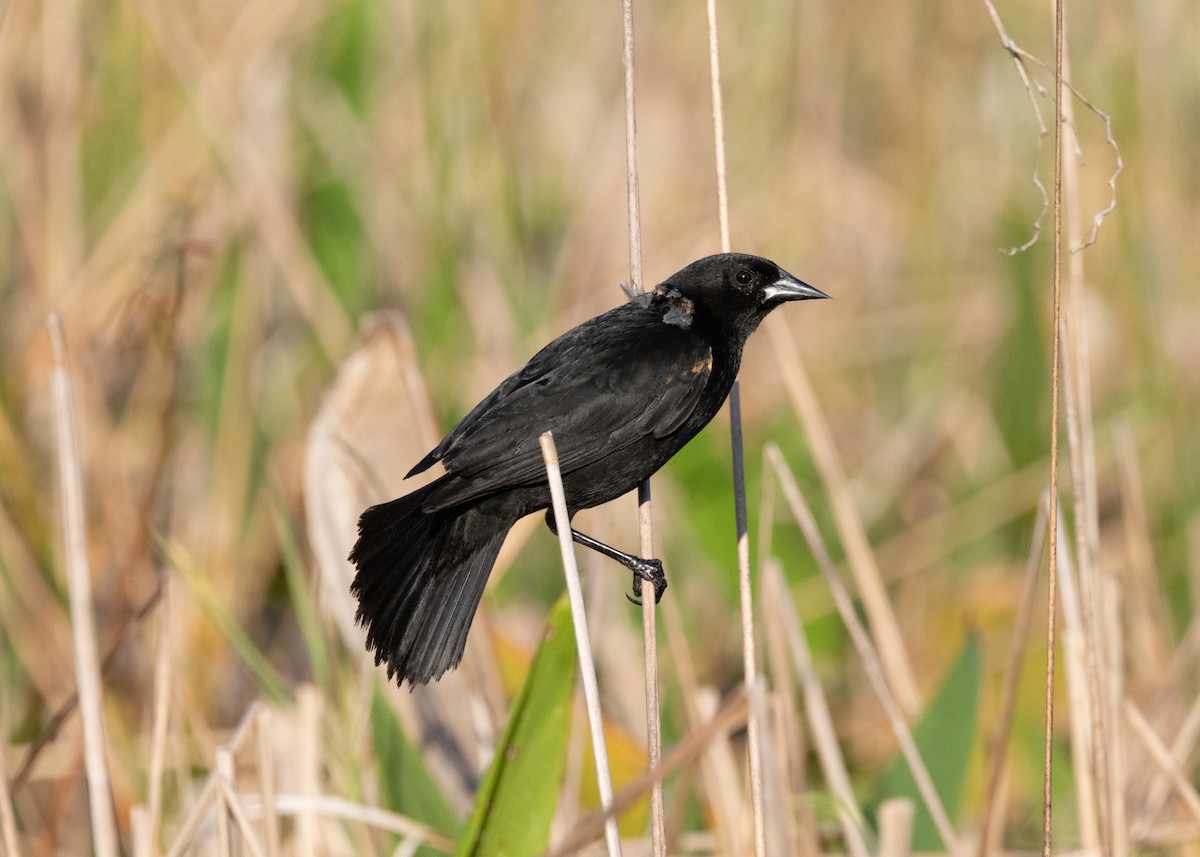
column 420, row 577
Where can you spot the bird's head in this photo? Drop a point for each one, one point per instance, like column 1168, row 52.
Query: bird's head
column 731, row 293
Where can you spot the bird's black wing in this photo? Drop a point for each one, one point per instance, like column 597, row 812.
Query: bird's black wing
column 608, row 383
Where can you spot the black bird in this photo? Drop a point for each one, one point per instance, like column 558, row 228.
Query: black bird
column 622, row 393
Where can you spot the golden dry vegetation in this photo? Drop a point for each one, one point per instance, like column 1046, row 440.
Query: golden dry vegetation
column 290, row 243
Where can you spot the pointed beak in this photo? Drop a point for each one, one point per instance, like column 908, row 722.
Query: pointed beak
column 789, row 288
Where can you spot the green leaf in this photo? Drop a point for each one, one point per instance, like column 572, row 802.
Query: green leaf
column 404, row 781
column 516, row 800
column 944, row 737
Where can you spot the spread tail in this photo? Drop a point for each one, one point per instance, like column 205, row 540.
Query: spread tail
column 420, row 577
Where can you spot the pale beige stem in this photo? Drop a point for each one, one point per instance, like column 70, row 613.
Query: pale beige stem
column 587, row 666
column 79, row 590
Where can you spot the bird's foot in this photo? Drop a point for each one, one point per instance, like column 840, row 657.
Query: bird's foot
column 651, row 571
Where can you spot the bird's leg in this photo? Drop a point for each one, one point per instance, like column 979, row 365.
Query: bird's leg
column 650, row 570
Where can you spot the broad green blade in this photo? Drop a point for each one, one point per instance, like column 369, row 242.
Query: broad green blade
column 404, row 781
column 516, row 800
column 944, row 736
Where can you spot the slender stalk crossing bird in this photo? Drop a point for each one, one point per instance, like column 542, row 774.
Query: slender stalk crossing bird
column 622, row 393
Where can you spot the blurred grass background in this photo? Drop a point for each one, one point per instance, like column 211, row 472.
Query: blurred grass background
column 213, row 194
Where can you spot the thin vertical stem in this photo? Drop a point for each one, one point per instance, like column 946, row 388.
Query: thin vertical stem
column 8, row 821
column 741, row 518
column 83, row 628
column 162, row 715
column 645, row 517
column 819, row 719
column 718, row 111
column 631, row 168
column 658, row 831
column 1103, row 672
column 266, row 780
column 1048, row 768
column 1012, row 676
column 587, row 667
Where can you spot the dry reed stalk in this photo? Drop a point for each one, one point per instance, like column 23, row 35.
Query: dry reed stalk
column 754, row 737
column 140, row 832
column 328, row 806
column 633, row 186
column 753, row 681
column 861, row 560
column 1092, row 610
column 1181, row 750
column 895, row 827
column 308, row 763
column 1162, row 758
column 790, row 759
column 266, row 779
column 722, row 776
column 245, row 728
column 191, row 824
column 224, row 772
column 160, row 719
column 1113, row 635
column 1078, row 354
column 816, row 707
column 645, row 515
column 587, row 667
column 718, row 116
column 1076, row 389
column 718, row 766
column 993, row 806
column 234, row 809
column 782, row 829
column 210, row 792
column 1186, row 652
column 1178, row 833
column 733, row 714
column 872, row 664
column 1051, row 589
column 8, row 822
column 653, row 705
column 765, row 824
column 1148, row 618
column 83, row 629
column 1079, row 693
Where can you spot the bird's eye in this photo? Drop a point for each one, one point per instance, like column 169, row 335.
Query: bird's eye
column 743, row 277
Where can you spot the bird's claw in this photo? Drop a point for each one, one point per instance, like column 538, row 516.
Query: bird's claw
column 650, row 570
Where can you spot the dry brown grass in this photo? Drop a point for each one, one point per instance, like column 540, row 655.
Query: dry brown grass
column 212, row 195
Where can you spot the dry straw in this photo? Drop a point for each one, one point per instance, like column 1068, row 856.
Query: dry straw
column 645, row 516
column 820, row 718
column 867, row 651
column 83, row 628
column 587, row 666
column 993, row 805
column 8, row 823
column 754, row 686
